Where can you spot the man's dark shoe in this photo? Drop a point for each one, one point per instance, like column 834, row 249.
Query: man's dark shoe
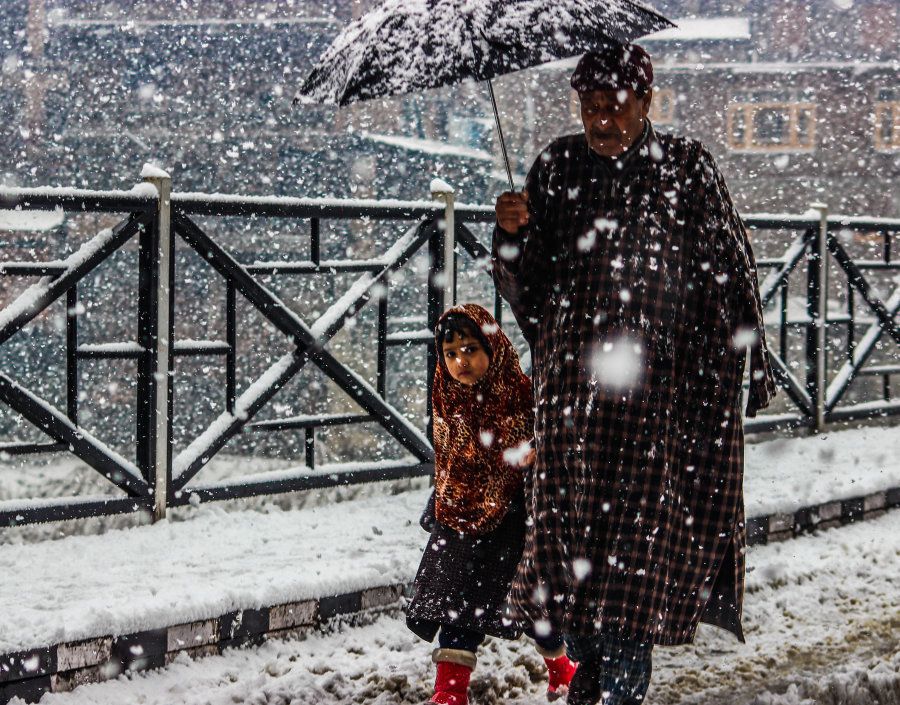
column 584, row 688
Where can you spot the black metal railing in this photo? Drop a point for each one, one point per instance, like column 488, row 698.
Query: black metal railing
column 155, row 219
column 816, row 396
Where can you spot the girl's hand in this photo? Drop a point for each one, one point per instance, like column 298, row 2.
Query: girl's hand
column 529, row 459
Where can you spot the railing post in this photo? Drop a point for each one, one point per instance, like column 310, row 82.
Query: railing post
column 820, row 319
column 442, row 191
column 437, row 297
column 161, row 425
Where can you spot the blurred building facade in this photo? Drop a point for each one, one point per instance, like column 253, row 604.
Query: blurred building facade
column 800, row 101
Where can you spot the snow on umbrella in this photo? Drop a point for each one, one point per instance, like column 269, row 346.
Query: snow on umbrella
column 403, row 46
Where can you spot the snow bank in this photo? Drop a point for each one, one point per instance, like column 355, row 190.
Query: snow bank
column 210, row 564
column 785, row 474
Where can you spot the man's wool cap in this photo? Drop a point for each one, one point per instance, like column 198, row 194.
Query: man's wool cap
column 614, row 67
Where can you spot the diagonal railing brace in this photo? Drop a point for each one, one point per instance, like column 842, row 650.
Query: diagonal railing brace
column 31, row 302
column 310, row 342
column 119, row 471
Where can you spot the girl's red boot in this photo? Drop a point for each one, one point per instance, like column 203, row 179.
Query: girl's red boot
column 559, row 672
column 454, row 668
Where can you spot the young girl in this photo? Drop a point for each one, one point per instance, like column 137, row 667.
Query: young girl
column 483, row 425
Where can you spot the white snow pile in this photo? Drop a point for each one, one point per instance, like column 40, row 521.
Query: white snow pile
column 151, row 171
column 439, row 186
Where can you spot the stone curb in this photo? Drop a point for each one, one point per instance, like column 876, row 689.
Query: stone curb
column 780, row 526
column 31, row 673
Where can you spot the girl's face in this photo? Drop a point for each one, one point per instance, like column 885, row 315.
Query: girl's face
column 466, row 359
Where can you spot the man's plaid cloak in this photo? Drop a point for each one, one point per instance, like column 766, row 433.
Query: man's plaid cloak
column 636, row 286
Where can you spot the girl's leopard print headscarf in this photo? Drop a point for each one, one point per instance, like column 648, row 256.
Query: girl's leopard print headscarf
column 481, row 433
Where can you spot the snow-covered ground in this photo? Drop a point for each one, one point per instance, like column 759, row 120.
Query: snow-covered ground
column 819, row 610
column 214, row 558
column 210, row 563
column 785, row 474
column 821, row 613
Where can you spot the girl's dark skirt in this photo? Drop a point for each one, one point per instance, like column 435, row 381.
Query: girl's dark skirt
column 463, row 580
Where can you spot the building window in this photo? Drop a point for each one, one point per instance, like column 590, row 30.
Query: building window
column 662, row 107
column 887, row 120
column 772, row 122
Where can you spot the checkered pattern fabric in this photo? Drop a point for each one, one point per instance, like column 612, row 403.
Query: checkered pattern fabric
column 636, row 286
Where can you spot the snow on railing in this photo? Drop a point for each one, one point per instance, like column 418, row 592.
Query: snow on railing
column 199, row 447
column 141, row 197
column 342, row 306
column 321, row 331
column 88, row 438
column 111, row 348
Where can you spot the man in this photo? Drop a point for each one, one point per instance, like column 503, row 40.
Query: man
column 631, row 275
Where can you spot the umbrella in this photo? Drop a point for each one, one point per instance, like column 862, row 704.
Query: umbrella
column 403, row 46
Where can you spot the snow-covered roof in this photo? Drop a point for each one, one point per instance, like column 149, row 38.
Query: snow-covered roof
column 436, row 147
column 780, row 67
column 686, row 30
column 774, row 67
column 704, row 28
column 33, row 220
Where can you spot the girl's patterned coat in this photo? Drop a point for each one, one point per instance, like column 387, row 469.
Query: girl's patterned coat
column 474, row 426
column 476, row 543
column 636, row 285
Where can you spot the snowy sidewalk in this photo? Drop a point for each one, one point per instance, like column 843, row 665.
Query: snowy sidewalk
column 821, row 616
column 216, row 561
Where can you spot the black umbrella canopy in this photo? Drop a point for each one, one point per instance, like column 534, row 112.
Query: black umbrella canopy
column 404, row 46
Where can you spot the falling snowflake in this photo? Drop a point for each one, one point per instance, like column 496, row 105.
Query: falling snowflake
column 618, row 363
column 581, row 567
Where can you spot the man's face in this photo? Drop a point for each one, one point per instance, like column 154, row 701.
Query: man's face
column 613, row 119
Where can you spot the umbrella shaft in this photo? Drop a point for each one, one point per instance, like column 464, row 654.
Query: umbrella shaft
column 500, row 135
